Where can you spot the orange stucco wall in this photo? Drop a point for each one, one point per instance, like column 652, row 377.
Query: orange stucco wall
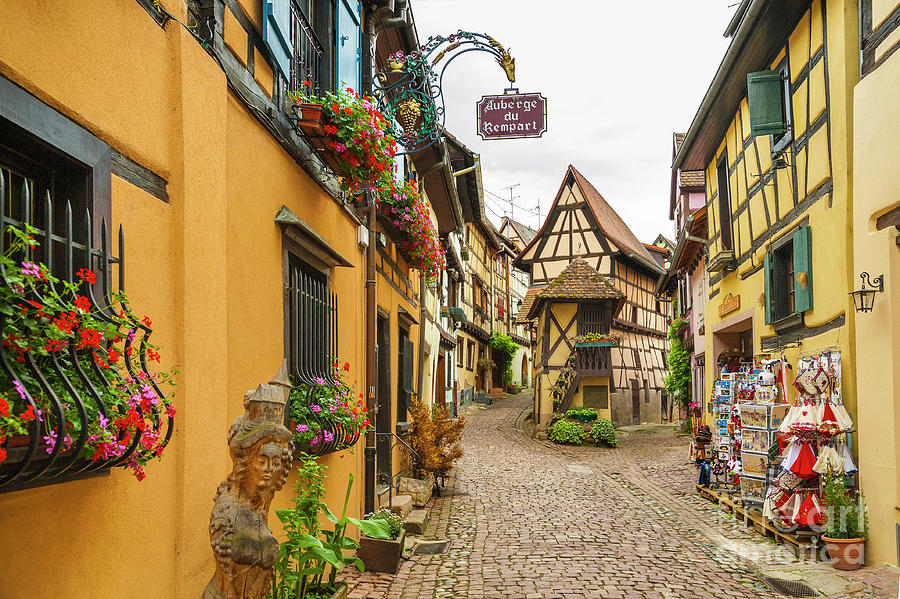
column 207, row 266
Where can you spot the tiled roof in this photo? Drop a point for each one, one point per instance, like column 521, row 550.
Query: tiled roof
column 693, row 179
column 527, row 302
column 679, row 139
column 656, row 248
column 580, row 280
column 524, row 231
column 611, row 223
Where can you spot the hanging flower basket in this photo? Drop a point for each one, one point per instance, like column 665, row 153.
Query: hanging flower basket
column 351, row 134
column 352, row 138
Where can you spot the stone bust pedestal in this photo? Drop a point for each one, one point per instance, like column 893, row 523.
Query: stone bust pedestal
column 260, row 448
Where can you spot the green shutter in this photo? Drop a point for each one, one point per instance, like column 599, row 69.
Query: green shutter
column 803, row 285
column 764, row 91
column 767, row 273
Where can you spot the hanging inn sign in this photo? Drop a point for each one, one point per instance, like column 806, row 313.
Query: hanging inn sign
column 511, row 116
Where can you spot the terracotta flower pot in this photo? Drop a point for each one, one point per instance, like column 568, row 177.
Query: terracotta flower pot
column 846, row 554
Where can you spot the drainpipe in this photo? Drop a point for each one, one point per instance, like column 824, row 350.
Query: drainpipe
column 371, row 338
column 376, row 22
column 422, row 321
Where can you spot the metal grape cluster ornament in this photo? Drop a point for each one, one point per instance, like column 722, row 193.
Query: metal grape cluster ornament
column 409, row 91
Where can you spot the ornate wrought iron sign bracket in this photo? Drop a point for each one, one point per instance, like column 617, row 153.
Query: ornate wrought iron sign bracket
column 410, row 90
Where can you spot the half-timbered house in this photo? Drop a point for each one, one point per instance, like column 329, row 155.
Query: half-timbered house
column 569, row 373
column 582, row 224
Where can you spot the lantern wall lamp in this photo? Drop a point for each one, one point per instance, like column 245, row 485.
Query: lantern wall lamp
column 864, row 298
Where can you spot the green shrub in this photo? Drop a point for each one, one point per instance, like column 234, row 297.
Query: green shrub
column 847, row 516
column 582, row 414
column 567, row 433
column 508, row 347
column 604, row 433
column 393, row 521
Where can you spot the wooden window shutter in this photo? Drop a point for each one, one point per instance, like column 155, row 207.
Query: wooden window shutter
column 803, row 283
column 767, row 273
column 764, row 89
column 277, row 33
column 408, row 360
column 349, row 45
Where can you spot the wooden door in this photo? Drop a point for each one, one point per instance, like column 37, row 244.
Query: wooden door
column 383, row 394
column 440, row 381
column 635, row 402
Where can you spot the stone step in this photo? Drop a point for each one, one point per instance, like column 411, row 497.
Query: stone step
column 416, row 522
column 401, row 505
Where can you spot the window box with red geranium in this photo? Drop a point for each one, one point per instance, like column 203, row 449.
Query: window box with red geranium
column 405, row 216
column 75, row 392
column 350, row 134
column 329, row 415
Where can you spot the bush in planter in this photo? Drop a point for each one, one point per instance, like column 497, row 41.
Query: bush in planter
column 846, row 524
column 383, row 555
column 604, row 433
column 59, row 323
column 567, row 432
column 393, row 521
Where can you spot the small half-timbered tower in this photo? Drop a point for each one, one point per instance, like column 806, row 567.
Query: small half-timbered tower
column 582, row 224
column 570, row 372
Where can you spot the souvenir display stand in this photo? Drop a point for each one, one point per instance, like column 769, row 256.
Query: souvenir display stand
column 773, row 452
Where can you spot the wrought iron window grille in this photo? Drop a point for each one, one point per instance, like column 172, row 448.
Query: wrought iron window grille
column 312, row 329
column 68, row 382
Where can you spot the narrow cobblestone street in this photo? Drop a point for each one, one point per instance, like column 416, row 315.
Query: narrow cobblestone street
column 529, row 519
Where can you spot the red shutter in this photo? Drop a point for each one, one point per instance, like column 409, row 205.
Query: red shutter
column 500, row 307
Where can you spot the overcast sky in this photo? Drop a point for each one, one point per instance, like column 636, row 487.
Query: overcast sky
column 619, row 78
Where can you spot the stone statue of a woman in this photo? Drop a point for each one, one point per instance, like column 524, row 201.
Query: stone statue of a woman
column 260, row 448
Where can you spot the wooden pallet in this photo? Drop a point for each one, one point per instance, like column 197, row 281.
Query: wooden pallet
column 806, row 545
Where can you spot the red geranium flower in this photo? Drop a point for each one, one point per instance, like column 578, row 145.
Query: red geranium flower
column 83, row 303
column 28, row 415
column 86, row 275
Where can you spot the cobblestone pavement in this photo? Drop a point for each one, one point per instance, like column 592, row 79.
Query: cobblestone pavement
column 533, row 520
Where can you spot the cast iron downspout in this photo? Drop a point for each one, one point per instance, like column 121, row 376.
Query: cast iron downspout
column 421, row 374
column 371, row 335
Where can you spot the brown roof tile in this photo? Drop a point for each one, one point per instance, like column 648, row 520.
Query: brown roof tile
column 579, row 281
column 693, row 179
column 611, row 223
column 530, row 296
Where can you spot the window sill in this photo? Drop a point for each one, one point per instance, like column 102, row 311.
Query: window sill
column 788, row 322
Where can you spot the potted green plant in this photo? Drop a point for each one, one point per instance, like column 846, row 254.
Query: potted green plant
column 311, row 557
column 846, row 524
column 383, row 555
